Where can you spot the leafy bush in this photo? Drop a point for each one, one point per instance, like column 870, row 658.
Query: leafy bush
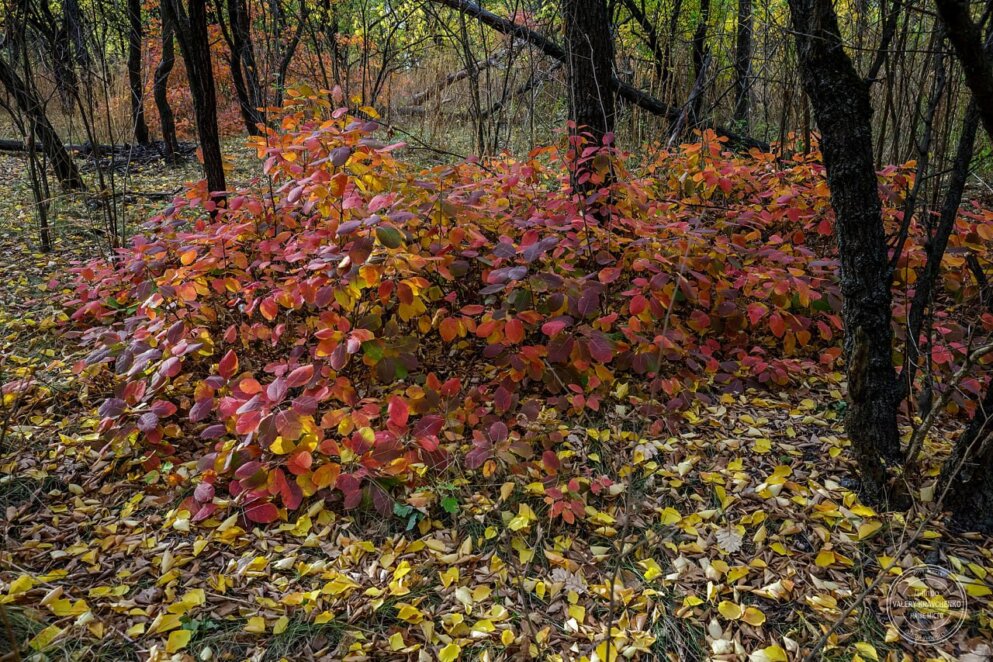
column 352, row 324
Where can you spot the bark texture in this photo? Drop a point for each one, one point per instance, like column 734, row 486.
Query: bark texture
column 968, row 474
column 589, row 49
column 743, row 66
column 840, row 101
column 967, row 41
column 191, row 32
column 135, row 82
column 160, row 87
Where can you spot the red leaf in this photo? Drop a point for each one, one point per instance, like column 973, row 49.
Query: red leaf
column 551, row 462
column 514, row 331
column 276, row 391
column 300, row 376
column 228, row 365
column 552, row 328
column 756, row 311
column 262, row 513
column 777, row 325
column 204, row 492
column 399, row 412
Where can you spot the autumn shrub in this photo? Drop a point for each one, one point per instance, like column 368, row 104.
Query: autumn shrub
column 353, row 325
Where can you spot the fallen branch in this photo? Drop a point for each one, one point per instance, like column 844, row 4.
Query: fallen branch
column 451, row 79
column 627, row 92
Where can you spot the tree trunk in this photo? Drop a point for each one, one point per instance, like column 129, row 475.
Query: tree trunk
column 137, row 86
column 191, row 31
column 243, row 67
column 160, row 87
column 967, row 473
column 700, row 61
column 743, row 66
column 840, row 101
column 42, row 130
column 589, row 51
column 968, row 44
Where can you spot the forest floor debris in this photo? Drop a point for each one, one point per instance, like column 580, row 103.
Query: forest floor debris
column 740, row 538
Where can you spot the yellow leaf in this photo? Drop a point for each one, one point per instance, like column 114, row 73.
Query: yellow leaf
column 178, row 639
column 869, row 528
column 652, row 569
column 450, row 653
column 410, row 613
column 523, row 519
column 977, row 590
column 825, row 557
column 729, row 610
column 21, row 585
column 45, row 637
column 507, row 637
column 769, row 654
column 396, row 641
column 449, row 576
column 867, row 650
column 256, row 625
column 671, row 516
column 753, row 616
column 279, row 627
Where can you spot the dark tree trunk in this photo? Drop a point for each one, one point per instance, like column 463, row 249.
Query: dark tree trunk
column 287, row 58
column 840, row 100
column 743, row 66
column 589, row 51
column 41, row 129
column 137, row 86
column 191, row 32
column 967, row 473
column 938, row 243
column 243, row 68
column 968, row 44
column 700, row 61
column 160, row 87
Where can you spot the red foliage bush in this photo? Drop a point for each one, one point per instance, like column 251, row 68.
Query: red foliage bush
column 350, row 323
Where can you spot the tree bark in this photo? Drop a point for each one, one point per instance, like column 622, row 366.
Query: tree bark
column 589, row 50
column 244, row 70
column 160, row 87
column 700, row 58
column 135, row 83
column 840, row 101
column 191, row 32
column 968, row 44
column 938, row 243
column 743, row 66
column 967, row 473
column 42, row 130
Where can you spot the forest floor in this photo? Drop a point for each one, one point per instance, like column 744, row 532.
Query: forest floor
column 740, row 538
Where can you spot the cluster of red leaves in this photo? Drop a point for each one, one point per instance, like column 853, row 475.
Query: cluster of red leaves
column 350, row 324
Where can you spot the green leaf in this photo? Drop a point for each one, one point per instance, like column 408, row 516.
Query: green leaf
column 450, row 505
column 389, row 236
